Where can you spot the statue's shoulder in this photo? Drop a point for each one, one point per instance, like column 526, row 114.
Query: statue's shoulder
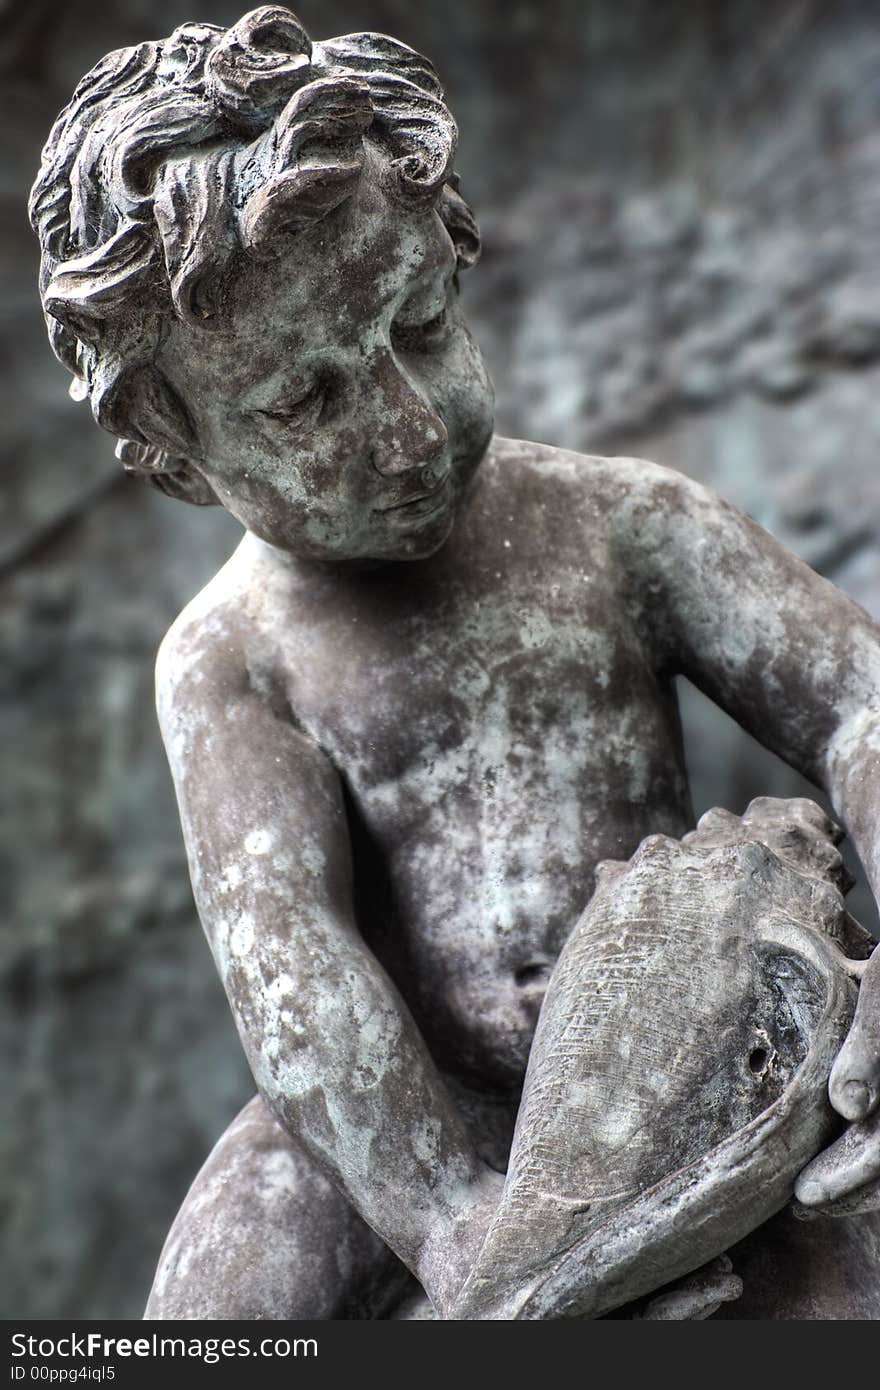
column 610, row 489
column 566, row 469
column 204, row 652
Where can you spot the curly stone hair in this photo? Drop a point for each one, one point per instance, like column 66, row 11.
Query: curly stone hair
column 174, row 158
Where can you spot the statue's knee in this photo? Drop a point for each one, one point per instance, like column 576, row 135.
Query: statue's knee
column 262, row 1234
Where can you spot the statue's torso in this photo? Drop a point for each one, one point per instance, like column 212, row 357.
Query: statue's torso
column 501, row 721
column 500, row 729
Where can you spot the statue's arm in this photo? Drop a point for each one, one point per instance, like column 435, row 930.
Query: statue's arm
column 797, row 664
column 331, row 1043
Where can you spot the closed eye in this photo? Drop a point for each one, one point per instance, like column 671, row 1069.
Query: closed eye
column 421, row 337
column 304, row 410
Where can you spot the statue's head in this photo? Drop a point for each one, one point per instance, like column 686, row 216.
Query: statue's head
column 250, row 256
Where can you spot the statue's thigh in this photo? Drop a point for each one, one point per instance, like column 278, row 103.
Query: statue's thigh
column 827, row 1268
column 262, row 1234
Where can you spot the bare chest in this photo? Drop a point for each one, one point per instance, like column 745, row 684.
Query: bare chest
column 518, row 720
column 494, row 747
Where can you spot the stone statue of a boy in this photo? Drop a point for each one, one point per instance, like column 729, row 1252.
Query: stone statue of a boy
column 396, row 780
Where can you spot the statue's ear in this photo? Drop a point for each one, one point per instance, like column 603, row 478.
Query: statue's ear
column 176, row 477
column 186, row 483
column 460, row 223
column 140, row 400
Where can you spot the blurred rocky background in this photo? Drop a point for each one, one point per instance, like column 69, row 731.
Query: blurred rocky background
column 680, row 209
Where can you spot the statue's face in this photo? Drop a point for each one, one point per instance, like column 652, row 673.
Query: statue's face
column 341, row 405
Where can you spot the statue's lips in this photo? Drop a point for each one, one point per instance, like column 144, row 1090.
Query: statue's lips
column 421, row 505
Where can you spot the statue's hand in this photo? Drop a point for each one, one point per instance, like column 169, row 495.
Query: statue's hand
column 845, row 1178
column 697, row 1296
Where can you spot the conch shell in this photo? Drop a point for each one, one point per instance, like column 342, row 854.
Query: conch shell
column 678, row 1078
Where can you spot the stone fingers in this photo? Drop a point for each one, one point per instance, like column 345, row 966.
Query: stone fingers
column 698, row 1296
column 844, row 1169
column 854, row 1087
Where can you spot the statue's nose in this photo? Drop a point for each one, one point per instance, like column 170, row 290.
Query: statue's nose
column 409, row 432
column 398, row 458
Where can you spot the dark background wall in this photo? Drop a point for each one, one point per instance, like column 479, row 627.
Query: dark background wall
column 680, row 209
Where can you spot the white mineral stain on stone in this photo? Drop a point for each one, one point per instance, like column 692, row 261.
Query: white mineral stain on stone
column 230, row 878
column 282, row 987
column 258, row 841
column 313, row 859
column 853, row 736
column 536, row 629
column 425, row 1142
column 241, row 938
column 177, row 747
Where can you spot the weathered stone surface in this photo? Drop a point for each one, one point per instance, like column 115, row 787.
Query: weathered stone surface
column 780, row 125
column 650, row 1137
